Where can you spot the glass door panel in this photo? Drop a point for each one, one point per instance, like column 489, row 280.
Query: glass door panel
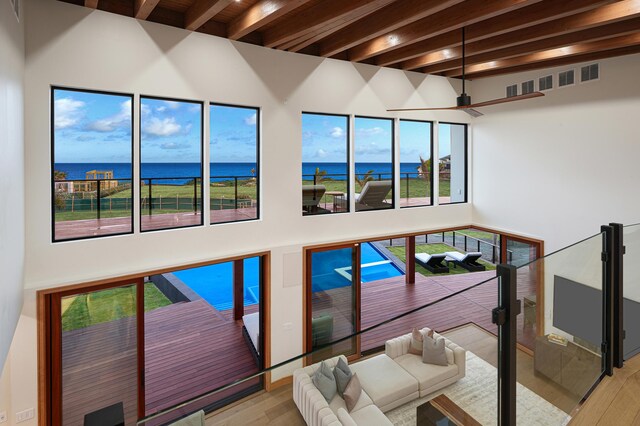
column 99, row 356
column 334, row 289
column 520, row 253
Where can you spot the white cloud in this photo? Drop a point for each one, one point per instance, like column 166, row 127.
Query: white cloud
column 161, row 109
column 163, row 128
column 321, row 153
column 109, row 124
column 251, row 120
column 172, row 145
column 172, row 104
column 371, row 131
column 337, row 132
column 68, row 112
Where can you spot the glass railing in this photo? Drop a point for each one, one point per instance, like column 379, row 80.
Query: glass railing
column 233, row 198
column 415, row 189
column 170, row 202
column 91, row 207
column 559, row 332
column 631, row 291
column 455, row 377
column 469, row 240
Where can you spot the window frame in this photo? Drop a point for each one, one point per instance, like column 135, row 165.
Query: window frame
column 393, row 161
column 432, row 173
column 52, row 89
column 466, row 164
column 348, row 159
column 258, row 160
column 202, row 128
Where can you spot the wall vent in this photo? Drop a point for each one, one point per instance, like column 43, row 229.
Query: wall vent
column 527, row 87
column 545, row 83
column 15, row 5
column 589, row 72
column 512, row 90
column 566, row 78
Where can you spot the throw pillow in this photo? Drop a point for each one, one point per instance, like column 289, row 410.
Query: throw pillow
column 325, row 382
column 433, row 351
column 417, row 341
column 352, row 392
column 343, row 374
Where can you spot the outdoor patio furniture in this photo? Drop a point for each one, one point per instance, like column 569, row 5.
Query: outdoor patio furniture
column 373, row 195
column 434, row 263
column 468, row 261
column 311, row 196
column 321, row 330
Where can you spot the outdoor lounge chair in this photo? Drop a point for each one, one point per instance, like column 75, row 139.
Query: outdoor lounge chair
column 468, row 261
column 311, row 196
column 373, row 195
column 321, row 330
column 434, row 263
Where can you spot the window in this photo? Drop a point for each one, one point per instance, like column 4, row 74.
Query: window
column 512, row 90
column 566, row 78
column 589, row 72
column 545, row 83
column 325, row 163
column 91, row 171
column 234, row 161
column 527, row 87
column 452, row 150
column 373, row 150
column 416, row 173
column 170, row 163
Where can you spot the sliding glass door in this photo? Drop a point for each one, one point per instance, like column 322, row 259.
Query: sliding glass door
column 332, row 304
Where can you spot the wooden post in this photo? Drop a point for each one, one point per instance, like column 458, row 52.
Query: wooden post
column 410, row 251
column 238, row 289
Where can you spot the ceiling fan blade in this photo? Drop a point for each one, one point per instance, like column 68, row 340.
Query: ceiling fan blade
column 479, row 104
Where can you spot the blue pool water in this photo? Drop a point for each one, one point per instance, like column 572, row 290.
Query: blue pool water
column 332, row 269
column 214, row 283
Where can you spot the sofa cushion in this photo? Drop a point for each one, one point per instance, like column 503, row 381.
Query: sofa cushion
column 370, row 415
column 343, row 374
column 384, row 381
column 427, row 375
column 352, row 392
column 433, row 351
column 337, row 402
column 325, row 382
column 345, row 418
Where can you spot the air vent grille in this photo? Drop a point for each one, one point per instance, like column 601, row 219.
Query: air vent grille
column 589, row 72
column 566, row 78
column 512, row 90
column 545, row 83
column 527, row 87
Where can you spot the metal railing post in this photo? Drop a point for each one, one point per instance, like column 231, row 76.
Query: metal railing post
column 98, row 197
column 607, row 299
column 407, row 175
column 235, row 182
column 465, row 243
column 195, row 195
column 618, row 294
column 150, row 199
column 504, row 316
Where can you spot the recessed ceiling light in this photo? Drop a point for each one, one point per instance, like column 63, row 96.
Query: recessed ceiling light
column 393, row 39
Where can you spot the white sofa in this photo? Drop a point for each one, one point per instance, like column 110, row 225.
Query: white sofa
column 388, row 381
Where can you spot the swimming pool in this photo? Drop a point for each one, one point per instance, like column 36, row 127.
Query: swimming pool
column 214, row 283
column 332, row 269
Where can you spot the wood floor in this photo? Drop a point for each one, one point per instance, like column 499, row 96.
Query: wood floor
column 70, row 229
column 190, row 349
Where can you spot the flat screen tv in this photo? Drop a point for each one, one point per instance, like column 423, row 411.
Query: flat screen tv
column 577, row 309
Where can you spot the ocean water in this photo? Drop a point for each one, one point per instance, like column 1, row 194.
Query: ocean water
column 221, row 171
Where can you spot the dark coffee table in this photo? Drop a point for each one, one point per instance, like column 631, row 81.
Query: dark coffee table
column 441, row 411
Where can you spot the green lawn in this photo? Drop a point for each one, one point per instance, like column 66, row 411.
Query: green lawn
column 435, row 249
column 108, row 305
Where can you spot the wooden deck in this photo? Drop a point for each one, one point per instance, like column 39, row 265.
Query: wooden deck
column 190, row 349
column 71, row 229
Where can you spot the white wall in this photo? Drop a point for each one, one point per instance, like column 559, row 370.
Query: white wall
column 12, row 170
column 558, row 167
column 73, row 46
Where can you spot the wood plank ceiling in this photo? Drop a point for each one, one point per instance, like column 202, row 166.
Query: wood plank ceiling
column 503, row 36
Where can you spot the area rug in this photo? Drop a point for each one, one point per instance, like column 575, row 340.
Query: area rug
column 477, row 394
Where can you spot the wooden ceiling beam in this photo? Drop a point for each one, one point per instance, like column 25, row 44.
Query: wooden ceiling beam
column 261, row 14
column 389, row 18
column 202, row 11
column 93, row 4
column 551, row 54
column 463, row 14
column 143, row 8
column 591, row 34
column 315, row 18
column 538, row 13
column 587, row 57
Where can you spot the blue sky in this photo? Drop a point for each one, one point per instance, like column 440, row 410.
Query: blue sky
column 373, row 140
column 444, row 140
column 170, row 131
column 415, row 141
column 234, row 134
column 324, row 138
column 91, row 128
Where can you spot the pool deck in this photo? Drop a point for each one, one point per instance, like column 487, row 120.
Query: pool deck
column 190, row 349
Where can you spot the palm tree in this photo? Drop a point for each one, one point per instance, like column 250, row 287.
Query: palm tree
column 319, row 175
column 364, row 179
column 59, row 198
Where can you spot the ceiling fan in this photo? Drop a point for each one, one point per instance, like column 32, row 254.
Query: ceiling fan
column 464, row 100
